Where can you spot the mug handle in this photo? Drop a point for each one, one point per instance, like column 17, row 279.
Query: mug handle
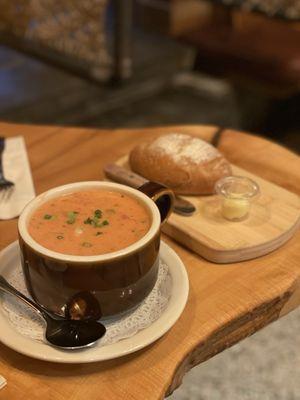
column 162, row 197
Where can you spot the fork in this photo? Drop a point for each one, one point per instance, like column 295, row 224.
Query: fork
column 4, row 183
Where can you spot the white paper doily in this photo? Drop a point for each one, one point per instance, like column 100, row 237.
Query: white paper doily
column 30, row 324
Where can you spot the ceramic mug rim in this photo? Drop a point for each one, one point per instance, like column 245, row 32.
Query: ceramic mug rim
column 79, row 186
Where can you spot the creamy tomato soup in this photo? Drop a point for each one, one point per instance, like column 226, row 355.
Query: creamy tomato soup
column 89, row 222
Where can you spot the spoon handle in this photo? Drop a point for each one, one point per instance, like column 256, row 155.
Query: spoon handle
column 6, row 287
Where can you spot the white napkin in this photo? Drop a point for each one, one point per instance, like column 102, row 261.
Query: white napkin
column 16, row 169
column 2, row 382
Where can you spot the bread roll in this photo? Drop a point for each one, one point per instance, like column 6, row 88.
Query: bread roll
column 184, row 163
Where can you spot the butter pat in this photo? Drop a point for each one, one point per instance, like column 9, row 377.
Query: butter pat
column 235, row 209
column 236, row 193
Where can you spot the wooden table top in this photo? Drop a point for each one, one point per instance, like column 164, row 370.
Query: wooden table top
column 226, row 302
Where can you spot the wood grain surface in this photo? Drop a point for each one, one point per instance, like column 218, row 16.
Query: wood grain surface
column 226, row 303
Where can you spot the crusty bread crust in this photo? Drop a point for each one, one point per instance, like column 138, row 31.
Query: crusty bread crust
column 178, row 166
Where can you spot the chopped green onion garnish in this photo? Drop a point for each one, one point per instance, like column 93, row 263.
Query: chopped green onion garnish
column 98, row 214
column 71, row 217
column 98, row 224
column 48, row 216
column 95, row 220
column 59, row 237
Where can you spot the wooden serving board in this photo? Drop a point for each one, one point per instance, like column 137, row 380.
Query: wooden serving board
column 274, row 218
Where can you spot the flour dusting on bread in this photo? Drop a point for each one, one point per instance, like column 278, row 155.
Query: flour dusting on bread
column 184, row 163
column 184, row 148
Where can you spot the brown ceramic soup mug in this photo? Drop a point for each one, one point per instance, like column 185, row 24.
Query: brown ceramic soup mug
column 98, row 285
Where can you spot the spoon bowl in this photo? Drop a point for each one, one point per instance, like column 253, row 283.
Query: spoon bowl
column 71, row 334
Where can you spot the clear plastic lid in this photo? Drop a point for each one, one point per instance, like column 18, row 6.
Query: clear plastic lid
column 237, row 187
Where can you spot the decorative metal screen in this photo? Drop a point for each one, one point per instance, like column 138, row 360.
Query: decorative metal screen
column 74, row 28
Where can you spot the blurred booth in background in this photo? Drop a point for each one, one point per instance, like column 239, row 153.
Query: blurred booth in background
column 242, row 46
column 231, row 42
column 254, row 44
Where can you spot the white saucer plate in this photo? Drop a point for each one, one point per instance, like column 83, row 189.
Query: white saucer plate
column 10, row 259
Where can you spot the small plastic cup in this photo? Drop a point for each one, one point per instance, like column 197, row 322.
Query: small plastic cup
column 237, row 194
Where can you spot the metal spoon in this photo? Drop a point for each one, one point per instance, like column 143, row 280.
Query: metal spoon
column 61, row 332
